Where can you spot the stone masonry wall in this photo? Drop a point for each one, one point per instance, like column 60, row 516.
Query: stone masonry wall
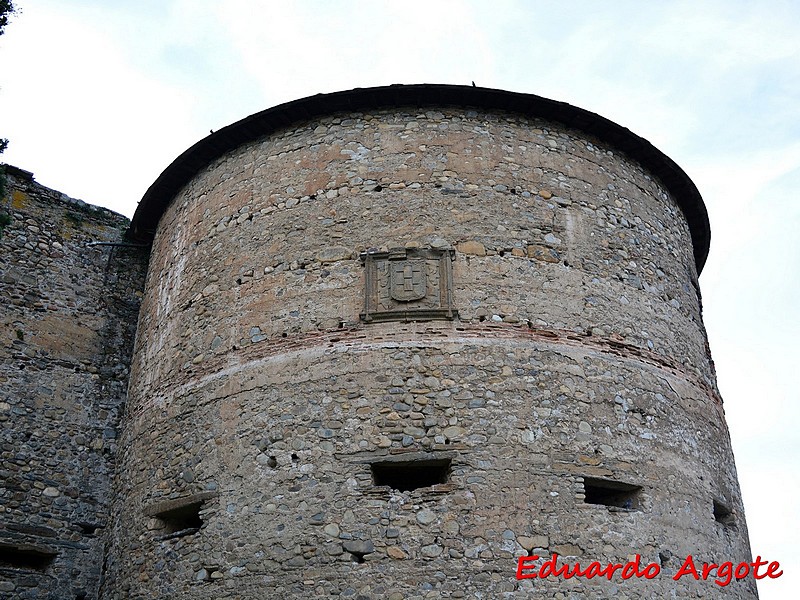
column 67, row 318
column 260, row 402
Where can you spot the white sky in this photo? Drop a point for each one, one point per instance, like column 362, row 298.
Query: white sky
column 97, row 97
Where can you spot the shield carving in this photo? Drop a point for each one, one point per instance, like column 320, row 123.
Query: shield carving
column 407, row 280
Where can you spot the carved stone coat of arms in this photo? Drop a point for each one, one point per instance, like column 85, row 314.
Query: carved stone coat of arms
column 408, row 284
column 407, row 280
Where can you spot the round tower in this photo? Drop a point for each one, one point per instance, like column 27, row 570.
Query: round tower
column 393, row 339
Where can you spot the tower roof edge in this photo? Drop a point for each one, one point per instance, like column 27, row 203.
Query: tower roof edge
column 160, row 194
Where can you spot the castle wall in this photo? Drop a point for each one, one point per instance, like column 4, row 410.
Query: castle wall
column 263, row 404
column 67, row 318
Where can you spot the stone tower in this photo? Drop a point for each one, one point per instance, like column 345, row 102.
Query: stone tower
column 392, row 339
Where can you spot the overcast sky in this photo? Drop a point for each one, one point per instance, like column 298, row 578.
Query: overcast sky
column 97, row 97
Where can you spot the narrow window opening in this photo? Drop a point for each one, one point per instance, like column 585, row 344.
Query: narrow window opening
column 358, row 549
column 206, row 574
column 722, row 514
column 411, row 475
column 88, row 528
column 25, row 557
column 179, row 516
column 183, row 520
column 613, row 494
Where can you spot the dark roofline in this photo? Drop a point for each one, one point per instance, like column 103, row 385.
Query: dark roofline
column 183, row 168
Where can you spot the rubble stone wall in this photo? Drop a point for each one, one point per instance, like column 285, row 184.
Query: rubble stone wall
column 67, row 322
column 261, row 402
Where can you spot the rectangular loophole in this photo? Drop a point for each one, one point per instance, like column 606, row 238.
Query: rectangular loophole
column 411, row 475
column 25, row 557
column 722, row 513
column 611, row 493
column 179, row 516
column 182, row 519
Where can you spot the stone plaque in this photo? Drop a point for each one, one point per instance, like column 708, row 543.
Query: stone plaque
column 408, row 284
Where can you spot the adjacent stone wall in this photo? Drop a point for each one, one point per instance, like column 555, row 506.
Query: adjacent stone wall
column 67, row 319
column 259, row 399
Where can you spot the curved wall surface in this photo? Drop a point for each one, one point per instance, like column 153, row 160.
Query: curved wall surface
column 495, row 310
